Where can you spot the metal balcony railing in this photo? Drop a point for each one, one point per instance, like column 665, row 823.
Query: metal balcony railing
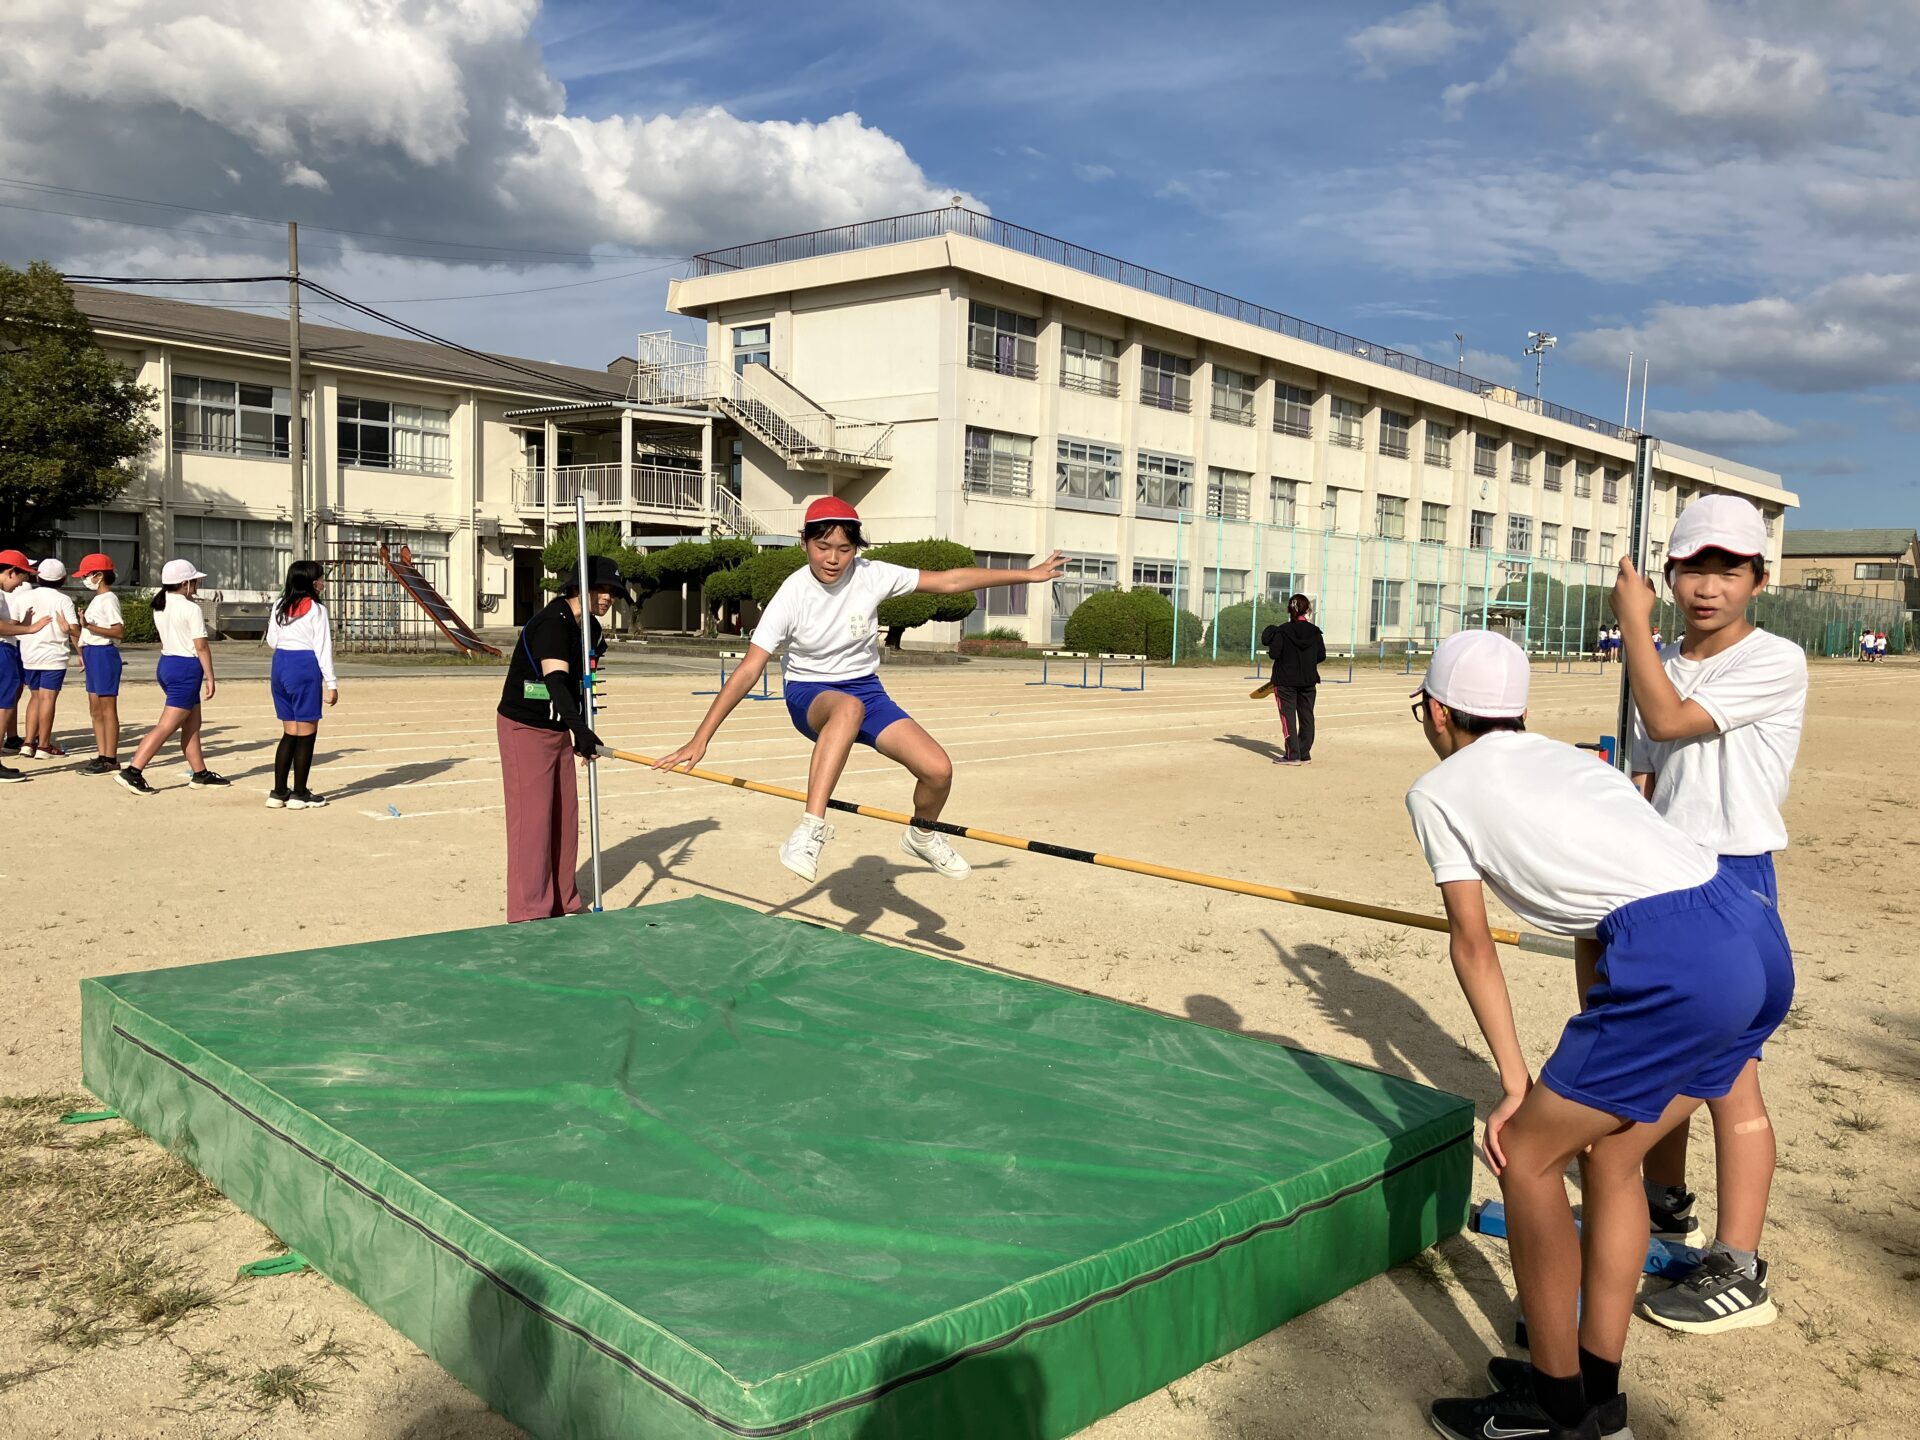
column 654, row 487
column 1283, row 426
column 1396, row 448
column 1234, row 412
column 1108, row 385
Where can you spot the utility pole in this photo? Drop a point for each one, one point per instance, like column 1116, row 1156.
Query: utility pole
column 1460, row 344
column 1538, row 343
column 1626, row 406
column 296, row 438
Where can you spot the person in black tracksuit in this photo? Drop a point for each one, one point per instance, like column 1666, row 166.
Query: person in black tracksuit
column 1297, row 648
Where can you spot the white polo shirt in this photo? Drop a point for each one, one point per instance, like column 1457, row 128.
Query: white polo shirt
column 832, row 632
column 1563, row 839
column 1725, row 788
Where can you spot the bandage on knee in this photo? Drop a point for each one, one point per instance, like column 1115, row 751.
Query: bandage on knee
column 1747, row 1127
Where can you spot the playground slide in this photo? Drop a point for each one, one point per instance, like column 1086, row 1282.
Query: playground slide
column 428, row 599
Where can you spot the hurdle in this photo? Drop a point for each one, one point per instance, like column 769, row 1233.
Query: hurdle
column 1047, row 657
column 1348, row 657
column 1522, row 939
column 763, row 693
column 1129, row 661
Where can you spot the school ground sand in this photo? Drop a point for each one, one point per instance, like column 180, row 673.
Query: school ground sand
column 99, row 881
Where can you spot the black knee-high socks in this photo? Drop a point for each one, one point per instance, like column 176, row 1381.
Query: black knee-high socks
column 302, row 761
column 283, row 761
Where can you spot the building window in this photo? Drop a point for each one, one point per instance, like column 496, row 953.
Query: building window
column 1549, row 542
column 1293, row 411
column 1556, row 468
column 1486, row 452
column 1002, row 601
column 736, row 464
column 1426, row 608
column 380, row 435
column 1156, row 575
column 1166, row 381
column 429, row 549
column 1001, row 341
column 229, row 418
column 1520, row 470
column 1439, row 443
column 1087, row 476
column 1480, row 530
column 1582, row 479
column 112, row 533
column 752, row 346
column 1284, row 498
column 1229, row 494
column 1872, row 570
column 1394, row 428
column 998, row 464
column 1383, row 607
column 1080, row 576
column 1606, row 548
column 1283, row 585
column 1519, row 534
column 1390, row 517
column 1610, row 487
column 1577, row 551
column 1769, row 517
column 1221, row 588
column 1344, row 430
column 1089, row 362
column 1233, row 395
column 1163, row 482
column 236, row 554
column 1333, row 512
column 1433, row 523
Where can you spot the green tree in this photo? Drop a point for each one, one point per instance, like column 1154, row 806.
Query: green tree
column 903, row 612
column 72, row 421
column 694, row 563
column 758, row 577
column 560, row 557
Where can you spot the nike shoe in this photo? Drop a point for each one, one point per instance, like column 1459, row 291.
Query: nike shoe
column 1671, row 1213
column 306, row 800
column 1507, row 1416
column 932, row 847
column 1510, row 1375
column 1718, row 1296
column 204, row 779
column 800, row 852
column 134, row 780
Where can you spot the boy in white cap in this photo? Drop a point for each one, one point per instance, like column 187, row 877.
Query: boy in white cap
column 16, row 572
column 1692, row 975
column 43, row 655
column 1717, row 731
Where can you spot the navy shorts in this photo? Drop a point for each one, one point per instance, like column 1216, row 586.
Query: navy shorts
column 881, row 710
column 12, row 677
column 102, row 664
column 1691, row 985
column 50, row 680
column 180, row 677
column 297, row 686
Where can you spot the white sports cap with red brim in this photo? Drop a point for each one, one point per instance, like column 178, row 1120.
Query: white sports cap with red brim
column 1718, row 522
column 1478, row 672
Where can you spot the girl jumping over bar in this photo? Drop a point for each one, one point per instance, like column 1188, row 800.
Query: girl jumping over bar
column 825, row 614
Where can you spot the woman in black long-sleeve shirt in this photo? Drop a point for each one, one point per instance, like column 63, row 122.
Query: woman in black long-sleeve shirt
column 1297, row 648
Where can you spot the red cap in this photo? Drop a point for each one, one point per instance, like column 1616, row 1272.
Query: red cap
column 829, row 508
column 94, row 565
column 14, row 560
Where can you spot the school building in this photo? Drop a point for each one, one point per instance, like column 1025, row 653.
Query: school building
column 1883, row 564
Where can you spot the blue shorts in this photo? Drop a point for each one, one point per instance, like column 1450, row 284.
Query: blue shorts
column 49, row 680
column 297, row 687
column 881, row 711
column 102, row 664
column 12, row 677
column 1756, row 873
column 180, row 677
column 1691, row 985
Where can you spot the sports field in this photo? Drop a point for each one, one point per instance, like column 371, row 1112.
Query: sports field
column 122, row 1317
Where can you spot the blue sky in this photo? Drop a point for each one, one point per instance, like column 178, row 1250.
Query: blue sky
column 1728, row 189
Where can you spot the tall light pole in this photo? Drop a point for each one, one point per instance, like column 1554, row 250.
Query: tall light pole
column 1538, row 343
column 1460, row 344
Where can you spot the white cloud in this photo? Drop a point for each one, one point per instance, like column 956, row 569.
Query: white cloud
column 1719, row 427
column 1093, row 174
column 1420, row 36
column 294, row 173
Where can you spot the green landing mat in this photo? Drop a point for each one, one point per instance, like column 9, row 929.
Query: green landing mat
column 692, row 1171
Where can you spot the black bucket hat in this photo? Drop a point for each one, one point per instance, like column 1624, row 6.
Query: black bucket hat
column 603, row 573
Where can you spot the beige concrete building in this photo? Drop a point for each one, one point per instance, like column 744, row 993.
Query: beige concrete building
column 1882, row 564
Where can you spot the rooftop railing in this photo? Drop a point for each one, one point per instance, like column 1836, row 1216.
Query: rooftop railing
column 956, row 220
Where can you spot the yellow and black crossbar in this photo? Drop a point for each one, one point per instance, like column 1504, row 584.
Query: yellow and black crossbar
column 1525, row 940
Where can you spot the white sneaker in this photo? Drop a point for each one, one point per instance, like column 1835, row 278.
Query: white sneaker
column 800, row 851
column 932, row 847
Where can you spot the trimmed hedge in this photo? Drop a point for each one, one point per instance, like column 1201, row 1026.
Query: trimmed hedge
column 904, row 612
column 1235, row 624
column 1131, row 622
column 137, row 612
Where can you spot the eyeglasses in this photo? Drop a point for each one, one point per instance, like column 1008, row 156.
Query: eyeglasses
column 1420, row 709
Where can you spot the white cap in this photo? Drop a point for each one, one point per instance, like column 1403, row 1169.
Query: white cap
column 1718, row 522
column 51, row 571
column 178, row 572
column 1478, row 672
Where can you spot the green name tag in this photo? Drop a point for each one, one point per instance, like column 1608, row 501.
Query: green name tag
column 534, row 690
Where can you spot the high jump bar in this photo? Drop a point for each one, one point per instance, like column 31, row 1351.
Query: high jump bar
column 1523, row 939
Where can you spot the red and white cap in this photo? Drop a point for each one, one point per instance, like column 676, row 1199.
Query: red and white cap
column 1478, row 672
column 95, row 564
column 829, row 507
column 1718, row 522
column 15, row 560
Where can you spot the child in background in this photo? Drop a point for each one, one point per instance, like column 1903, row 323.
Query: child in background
column 1717, row 731
column 1298, row 648
column 15, row 572
column 1879, row 646
column 302, row 643
column 1692, row 975
column 1866, row 645
column 102, row 627
column 43, row 655
column 185, row 674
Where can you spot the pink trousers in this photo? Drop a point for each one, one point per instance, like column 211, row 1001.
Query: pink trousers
column 543, row 820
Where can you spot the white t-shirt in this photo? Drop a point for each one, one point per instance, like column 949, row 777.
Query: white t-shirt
column 1561, row 838
column 104, row 611
column 180, row 624
column 1880, row 644
column 1725, row 788
column 832, row 633
column 6, row 613
column 309, row 631
column 46, row 649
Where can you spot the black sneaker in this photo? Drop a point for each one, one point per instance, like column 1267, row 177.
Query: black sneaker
column 1507, row 1416
column 277, row 799
column 1516, row 1376
column 133, row 780
column 1671, row 1215
column 201, row 779
column 13, row 743
column 100, row 765
column 306, row 800
column 1718, row 1296
column 10, row 776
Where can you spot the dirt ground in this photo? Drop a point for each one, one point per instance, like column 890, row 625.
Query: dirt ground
column 123, row 1317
